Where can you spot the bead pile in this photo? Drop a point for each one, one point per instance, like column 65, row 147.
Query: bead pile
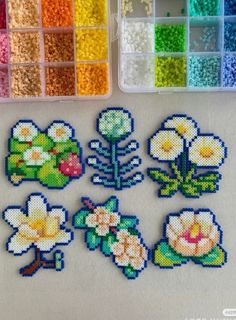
column 170, row 72
column 137, row 72
column 91, row 44
column 204, row 8
column 127, row 7
column 2, row 14
column 25, row 81
column 204, row 38
column 58, row 47
column 54, row 48
column 170, row 38
column 3, row 48
column 29, row 49
column 204, row 71
column 230, row 7
column 4, row 84
column 60, row 81
column 230, row 36
column 229, row 66
column 23, row 13
column 137, row 37
column 57, row 13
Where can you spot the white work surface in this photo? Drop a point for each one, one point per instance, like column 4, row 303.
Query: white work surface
column 91, row 286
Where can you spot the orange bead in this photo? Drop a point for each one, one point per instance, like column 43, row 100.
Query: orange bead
column 57, row 13
column 92, row 79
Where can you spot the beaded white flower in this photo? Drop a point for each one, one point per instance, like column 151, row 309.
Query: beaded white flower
column 207, row 151
column 128, row 250
column 191, row 234
column 102, row 220
column 60, row 132
column 39, row 227
column 25, row 131
column 35, row 156
column 185, row 126
column 166, row 145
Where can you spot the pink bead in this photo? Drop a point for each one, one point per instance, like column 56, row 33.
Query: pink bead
column 4, row 85
column 3, row 48
column 2, row 14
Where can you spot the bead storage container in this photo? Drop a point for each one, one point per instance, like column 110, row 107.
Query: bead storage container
column 177, row 45
column 54, row 50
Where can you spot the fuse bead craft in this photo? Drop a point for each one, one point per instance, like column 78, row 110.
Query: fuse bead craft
column 190, row 235
column 177, row 45
column 44, row 44
column 114, row 234
column 53, row 157
column 180, row 144
column 40, row 227
column 115, row 124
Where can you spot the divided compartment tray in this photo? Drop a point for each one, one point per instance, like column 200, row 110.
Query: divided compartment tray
column 59, row 50
column 172, row 45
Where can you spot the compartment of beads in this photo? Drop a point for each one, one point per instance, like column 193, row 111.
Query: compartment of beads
column 54, row 50
column 177, row 45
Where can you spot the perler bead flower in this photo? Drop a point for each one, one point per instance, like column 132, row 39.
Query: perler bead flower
column 166, row 145
column 35, row 156
column 60, row 132
column 115, row 234
column 53, row 156
column 39, row 227
column 207, row 151
column 102, row 220
column 192, row 236
column 25, row 131
column 179, row 143
column 115, row 124
column 129, row 250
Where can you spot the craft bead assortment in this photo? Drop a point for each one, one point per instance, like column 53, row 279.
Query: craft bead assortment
column 185, row 45
column 52, row 50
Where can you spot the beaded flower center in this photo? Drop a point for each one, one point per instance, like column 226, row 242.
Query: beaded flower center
column 60, row 132
column 167, row 146
column 25, row 132
column 206, row 152
column 194, row 234
column 36, row 155
column 181, row 129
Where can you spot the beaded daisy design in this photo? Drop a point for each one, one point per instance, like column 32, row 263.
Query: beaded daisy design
column 190, row 235
column 180, row 144
column 40, row 227
column 53, row 157
column 115, row 234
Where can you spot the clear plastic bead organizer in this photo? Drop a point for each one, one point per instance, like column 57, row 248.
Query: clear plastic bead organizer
column 177, row 45
column 54, row 50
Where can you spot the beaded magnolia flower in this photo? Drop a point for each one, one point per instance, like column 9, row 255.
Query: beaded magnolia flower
column 115, row 125
column 52, row 156
column 180, row 143
column 40, row 227
column 192, row 236
column 114, row 234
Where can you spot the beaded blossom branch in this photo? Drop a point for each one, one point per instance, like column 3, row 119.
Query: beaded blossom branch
column 115, row 234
